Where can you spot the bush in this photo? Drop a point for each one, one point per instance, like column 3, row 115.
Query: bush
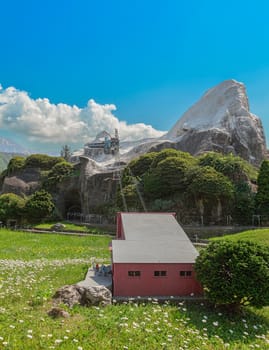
column 235, row 168
column 39, row 206
column 170, row 152
column 58, row 173
column 244, row 204
column 168, row 177
column 15, row 163
column 234, row 273
column 11, row 207
column 131, row 197
column 209, row 183
column 42, row 161
column 262, row 197
column 142, row 164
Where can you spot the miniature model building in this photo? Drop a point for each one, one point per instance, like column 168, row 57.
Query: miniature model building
column 152, row 256
column 104, row 143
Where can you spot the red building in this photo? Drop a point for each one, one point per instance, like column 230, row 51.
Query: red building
column 152, row 256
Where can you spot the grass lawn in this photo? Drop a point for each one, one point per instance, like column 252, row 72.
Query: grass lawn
column 34, row 266
column 258, row 236
column 69, row 227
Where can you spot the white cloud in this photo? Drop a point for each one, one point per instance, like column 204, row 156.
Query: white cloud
column 42, row 121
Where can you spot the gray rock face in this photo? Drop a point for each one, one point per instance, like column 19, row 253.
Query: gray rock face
column 27, row 181
column 96, row 295
column 86, row 296
column 221, row 121
column 69, row 295
column 96, row 187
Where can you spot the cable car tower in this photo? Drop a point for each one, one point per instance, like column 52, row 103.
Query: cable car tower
column 117, row 176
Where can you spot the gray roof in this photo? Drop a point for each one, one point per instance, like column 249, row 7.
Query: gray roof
column 153, row 238
column 157, row 226
column 153, row 252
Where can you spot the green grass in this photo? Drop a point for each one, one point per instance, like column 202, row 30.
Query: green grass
column 72, row 227
column 26, row 246
column 259, row 236
column 34, row 266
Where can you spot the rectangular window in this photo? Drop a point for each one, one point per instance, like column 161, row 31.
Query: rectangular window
column 134, row 273
column 185, row 273
column 160, row 273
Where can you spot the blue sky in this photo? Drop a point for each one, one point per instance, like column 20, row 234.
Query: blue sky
column 151, row 59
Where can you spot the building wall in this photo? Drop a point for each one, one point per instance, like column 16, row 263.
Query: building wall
column 149, row 285
column 120, row 229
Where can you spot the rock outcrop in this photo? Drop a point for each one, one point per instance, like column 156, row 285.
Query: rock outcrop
column 23, row 182
column 86, row 296
column 97, row 186
column 93, row 187
column 221, row 121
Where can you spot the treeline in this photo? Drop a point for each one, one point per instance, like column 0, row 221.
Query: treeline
column 213, row 186
column 15, row 209
column 28, row 209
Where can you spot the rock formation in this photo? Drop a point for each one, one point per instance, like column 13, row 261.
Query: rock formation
column 23, row 182
column 221, row 121
column 97, row 186
column 86, row 296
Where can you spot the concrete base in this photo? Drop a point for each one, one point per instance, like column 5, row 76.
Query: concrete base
column 95, row 278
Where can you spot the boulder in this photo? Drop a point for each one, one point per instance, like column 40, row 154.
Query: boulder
column 56, row 312
column 69, row 295
column 86, row 296
column 58, row 227
column 96, row 295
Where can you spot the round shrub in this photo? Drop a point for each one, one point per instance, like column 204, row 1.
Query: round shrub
column 11, row 207
column 234, row 273
column 39, row 206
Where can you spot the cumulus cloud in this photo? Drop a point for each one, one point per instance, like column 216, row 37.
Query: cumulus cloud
column 40, row 120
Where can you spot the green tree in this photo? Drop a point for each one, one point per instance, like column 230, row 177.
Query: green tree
column 262, row 197
column 131, row 197
column 235, row 168
column 170, row 152
column 234, row 273
column 39, row 206
column 58, row 173
column 168, row 177
column 212, row 192
column 209, row 183
column 15, row 163
column 42, row 161
column 66, row 152
column 244, row 203
column 141, row 165
column 11, row 207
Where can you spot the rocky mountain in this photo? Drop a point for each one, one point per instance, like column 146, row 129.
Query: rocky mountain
column 220, row 121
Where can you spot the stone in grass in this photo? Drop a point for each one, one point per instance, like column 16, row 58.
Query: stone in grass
column 56, row 312
column 69, row 295
column 96, row 295
column 58, row 227
column 86, row 296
